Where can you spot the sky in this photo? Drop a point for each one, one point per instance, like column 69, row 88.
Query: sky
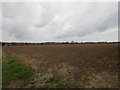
column 59, row 21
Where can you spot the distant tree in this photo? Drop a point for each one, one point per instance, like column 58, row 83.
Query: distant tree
column 72, row 42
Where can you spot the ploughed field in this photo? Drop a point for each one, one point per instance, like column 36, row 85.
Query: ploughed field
column 77, row 65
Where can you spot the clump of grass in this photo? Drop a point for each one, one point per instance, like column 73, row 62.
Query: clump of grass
column 25, row 83
column 92, row 87
column 60, row 85
column 52, row 80
column 32, row 86
column 86, row 79
column 39, row 86
column 59, row 66
column 35, row 75
column 41, row 81
column 33, row 82
column 12, row 70
column 44, row 79
column 76, row 86
column 45, row 86
column 40, row 74
column 32, row 78
column 38, row 71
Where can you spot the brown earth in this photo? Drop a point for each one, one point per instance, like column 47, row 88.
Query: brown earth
column 81, row 65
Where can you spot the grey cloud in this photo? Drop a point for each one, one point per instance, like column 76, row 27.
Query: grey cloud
column 109, row 22
column 57, row 21
column 100, row 25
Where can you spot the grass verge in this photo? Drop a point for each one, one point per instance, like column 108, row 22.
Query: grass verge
column 13, row 70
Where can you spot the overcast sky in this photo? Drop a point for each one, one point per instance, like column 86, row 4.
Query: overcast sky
column 59, row 21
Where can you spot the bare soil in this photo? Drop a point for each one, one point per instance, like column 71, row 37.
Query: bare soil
column 79, row 65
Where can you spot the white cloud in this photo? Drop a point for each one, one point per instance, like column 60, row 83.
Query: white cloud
column 0, row 22
column 63, row 21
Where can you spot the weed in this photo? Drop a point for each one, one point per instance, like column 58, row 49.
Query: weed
column 52, row 79
column 36, row 76
column 76, row 86
column 32, row 86
column 25, row 83
column 60, row 85
column 41, row 81
column 45, row 86
column 40, row 74
column 38, row 71
column 86, row 79
column 59, row 66
column 39, row 86
column 92, row 87
column 32, row 78
column 44, row 79
column 33, row 82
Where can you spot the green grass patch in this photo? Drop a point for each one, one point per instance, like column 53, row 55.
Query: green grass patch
column 25, row 83
column 61, row 85
column 40, row 74
column 52, row 80
column 92, row 87
column 32, row 86
column 59, row 66
column 41, row 81
column 13, row 70
column 36, row 76
column 45, row 86
column 33, row 82
column 44, row 79
column 76, row 86
column 38, row 71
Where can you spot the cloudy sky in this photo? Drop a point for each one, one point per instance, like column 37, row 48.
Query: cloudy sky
column 59, row 21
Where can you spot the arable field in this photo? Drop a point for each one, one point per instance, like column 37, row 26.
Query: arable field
column 67, row 66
